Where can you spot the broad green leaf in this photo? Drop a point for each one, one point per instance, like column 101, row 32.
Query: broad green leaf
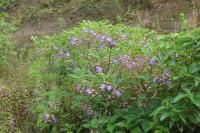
column 179, row 97
column 165, row 116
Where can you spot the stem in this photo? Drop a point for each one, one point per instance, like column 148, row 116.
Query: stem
column 109, row 59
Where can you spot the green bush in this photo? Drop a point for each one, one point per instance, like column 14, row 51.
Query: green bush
column 115, row 78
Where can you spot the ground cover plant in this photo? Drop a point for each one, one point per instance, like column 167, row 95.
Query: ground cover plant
column 6, row 47
column 115, row 78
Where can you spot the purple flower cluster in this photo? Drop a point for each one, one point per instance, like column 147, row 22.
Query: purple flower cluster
column 112, row 43
column 49, row 118
column 131, row 65
column 75, row 41
column 164, row 79
column 102, row 38
column 87, row 90
column 138, row 61
column 105, row 86
column 125, row 59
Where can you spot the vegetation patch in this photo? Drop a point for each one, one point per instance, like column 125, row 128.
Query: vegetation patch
column 114, row 78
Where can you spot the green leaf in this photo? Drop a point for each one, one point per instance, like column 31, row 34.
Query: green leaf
column 197, row 81
column 179, row 97
column 110, row 128
column 136, row 130
column 165, row 116
column 183, row 119
column 87, row 125
column 94, row 123
column 147, row 126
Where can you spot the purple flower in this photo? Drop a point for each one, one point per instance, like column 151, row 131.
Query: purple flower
column 112, row 43
column 74, row 40
column 109, row 87
column 47, row 118
column 102, row 87
column 125, row 59
column 101, row 38
column 117, row 93
column 88, row 90
column 99, row 69
column 152, row 61
column 129, row 66
column 109, row 39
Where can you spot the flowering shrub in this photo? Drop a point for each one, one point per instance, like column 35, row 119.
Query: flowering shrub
column 115, row 78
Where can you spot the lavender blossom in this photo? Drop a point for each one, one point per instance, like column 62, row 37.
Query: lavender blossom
column 109, row 87
column 74, row 41
column 125, row 59
column 102, row 87
column 152, row 61
column 117, row 93
column 130, row 66
column 99, row 69
column 112, row 43
column 88, row 91
column 101, row 38
column 109, row 39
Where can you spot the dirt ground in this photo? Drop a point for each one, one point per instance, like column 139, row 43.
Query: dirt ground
column 162, row 16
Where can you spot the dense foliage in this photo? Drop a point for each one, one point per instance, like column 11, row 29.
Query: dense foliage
column 6, row 3
column 98, row 77
column 115, row 78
